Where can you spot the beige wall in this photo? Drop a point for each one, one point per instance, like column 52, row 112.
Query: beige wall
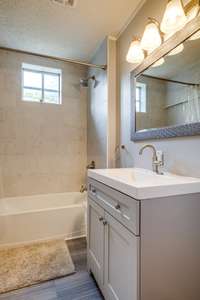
column 1, row 184
column 181, row 154
column 102, row 107
column 97, row 111
column 42, row 146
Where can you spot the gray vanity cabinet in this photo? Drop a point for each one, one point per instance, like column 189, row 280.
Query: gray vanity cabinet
column 149, row 248
column 120, row 276
column 96, row 232
column 112, row 247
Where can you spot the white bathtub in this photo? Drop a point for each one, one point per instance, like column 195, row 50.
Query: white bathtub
column 31, row 218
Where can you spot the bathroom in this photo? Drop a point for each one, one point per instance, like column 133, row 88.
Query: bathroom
column 99, row 150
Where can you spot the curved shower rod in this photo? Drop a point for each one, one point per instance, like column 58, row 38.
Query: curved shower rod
column 68, row 60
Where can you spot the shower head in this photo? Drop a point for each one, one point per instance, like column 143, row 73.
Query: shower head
column 85, row 81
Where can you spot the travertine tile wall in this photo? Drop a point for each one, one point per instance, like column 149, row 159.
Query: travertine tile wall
column 178, row 94
column 187, row 105
column 42, row 146
column 155, row 113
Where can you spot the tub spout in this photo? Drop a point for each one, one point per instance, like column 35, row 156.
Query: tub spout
column 92, row 165
column 83, row 188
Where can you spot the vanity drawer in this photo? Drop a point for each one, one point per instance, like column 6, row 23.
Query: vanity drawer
column 122, row 207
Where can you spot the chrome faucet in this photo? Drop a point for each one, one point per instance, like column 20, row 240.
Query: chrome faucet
column 157, row 159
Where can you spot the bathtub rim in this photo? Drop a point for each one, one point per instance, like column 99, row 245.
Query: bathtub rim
column 56, row 237
column 9, row 212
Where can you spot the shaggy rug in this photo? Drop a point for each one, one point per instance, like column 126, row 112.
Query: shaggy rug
column 25, row 265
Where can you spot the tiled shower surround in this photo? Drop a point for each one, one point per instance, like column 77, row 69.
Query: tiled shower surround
column 42, row 146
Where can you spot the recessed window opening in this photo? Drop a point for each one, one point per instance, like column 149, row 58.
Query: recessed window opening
column 41, row 84
column 141, row 97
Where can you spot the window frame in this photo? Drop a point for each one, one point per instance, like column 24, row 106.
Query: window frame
column 43, row 71
column 143, row 97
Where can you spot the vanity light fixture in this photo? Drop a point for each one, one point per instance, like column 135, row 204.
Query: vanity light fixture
column 152, row 36
column 176, row 50
column 174, row 17
column 135, row 53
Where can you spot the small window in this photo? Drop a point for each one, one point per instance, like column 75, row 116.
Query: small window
column 41, row 84
column 140, row 97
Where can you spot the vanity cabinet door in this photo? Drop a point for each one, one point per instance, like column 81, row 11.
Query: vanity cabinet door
column 95, row 251
column 121, row 262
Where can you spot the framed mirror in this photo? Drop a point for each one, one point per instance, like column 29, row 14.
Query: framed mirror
column 166, row 88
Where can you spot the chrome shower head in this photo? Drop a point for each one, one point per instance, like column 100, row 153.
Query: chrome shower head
column 84, row 81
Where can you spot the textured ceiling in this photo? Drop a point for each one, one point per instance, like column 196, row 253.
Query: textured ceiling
column 43, row 27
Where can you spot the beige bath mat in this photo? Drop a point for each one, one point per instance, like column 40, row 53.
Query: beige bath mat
column 26, row 265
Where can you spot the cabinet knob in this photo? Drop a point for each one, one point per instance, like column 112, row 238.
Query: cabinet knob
column 105, row 222
column 100, row 219
column 117, row 206
column 93, row 191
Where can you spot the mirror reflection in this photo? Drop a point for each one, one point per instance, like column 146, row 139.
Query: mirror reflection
column 168, row 93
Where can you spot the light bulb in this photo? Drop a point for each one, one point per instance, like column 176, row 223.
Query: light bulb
column 151, row 38
column 158, row 63
column 174, row 17
column 195, row 36
column 177, row 50
column 135, row 53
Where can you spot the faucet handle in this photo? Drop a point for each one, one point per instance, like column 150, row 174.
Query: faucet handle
column 160, row 157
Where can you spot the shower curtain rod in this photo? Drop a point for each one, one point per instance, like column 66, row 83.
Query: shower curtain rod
column 68, row 60
column 170, row 80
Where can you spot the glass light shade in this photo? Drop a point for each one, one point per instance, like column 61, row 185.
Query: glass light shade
column 151, row 38
column 135, row 53
column 195, row 36
column 158, row 63
column 174, row 17
column 177, row 50
column 193, row 12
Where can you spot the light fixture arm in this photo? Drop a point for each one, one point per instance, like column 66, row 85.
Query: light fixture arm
column 154, row 21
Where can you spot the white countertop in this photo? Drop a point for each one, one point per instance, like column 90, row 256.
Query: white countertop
column 144, row 184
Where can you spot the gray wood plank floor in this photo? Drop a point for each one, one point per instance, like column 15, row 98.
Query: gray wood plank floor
column 79, row 286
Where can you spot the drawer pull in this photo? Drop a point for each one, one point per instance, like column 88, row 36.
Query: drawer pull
column 118, row 207
column 100, row 219
column 105, row 222
column 94, row 191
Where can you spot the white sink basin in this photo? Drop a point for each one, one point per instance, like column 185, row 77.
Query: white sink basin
column 144, row 184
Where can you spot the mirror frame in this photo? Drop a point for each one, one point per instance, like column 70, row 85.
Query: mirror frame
column 190, row 129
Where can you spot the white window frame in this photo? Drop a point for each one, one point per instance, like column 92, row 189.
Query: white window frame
column 43, row 71
column 143, row 98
